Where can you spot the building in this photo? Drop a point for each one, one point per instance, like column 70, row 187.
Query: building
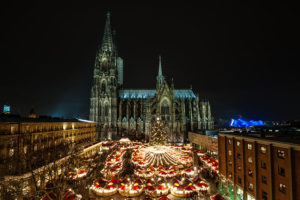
column 32, row 114
column 256, row 167
column 204, row 142
column 114, row 108
column 27, row 143
column 6, row 109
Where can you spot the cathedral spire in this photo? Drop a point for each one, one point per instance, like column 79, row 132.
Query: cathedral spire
column 159, row 67
column 107, row 41
column 159, row 78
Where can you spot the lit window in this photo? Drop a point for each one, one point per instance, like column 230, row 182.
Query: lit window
column 250, row 159
column 11, row 152
column 229, row 152
column 280, row 153
column 250, row 172
column 12, row 130
column 230, row 175
column 239, row 168
column 25, row 149
column 282, row 188
column 238, row 143
column 27, row 128
column 250, row 146
column 249, row 197
column 263, row 149
column 281, row 171
column 250, row 186
column 229, row 141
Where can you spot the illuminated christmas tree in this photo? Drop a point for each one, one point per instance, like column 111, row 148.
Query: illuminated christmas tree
column 158, row 133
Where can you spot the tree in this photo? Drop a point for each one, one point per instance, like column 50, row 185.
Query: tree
column 158, row 134
column 38, row 180
column 11, row 189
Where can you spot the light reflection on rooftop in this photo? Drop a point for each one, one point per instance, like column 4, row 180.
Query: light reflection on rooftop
column 143, row 94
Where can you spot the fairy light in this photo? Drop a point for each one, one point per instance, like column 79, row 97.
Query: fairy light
column 155, row 164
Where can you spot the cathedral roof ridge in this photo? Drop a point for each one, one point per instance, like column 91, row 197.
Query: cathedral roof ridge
column 138, row 89
column 184, row 93
column 145, row 93
column 137, row 93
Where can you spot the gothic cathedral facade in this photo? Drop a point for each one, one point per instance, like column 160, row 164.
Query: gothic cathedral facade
column 117, row 110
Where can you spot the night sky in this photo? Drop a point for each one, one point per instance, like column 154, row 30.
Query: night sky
column 243, row 57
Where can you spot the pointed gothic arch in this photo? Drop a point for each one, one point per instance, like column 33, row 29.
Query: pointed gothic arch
column 165, row 109
column 100, row 109
column 103, row 86
column 106, row 110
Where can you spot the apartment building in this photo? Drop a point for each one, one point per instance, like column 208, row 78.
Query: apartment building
column 27, row 143
column 256, row 167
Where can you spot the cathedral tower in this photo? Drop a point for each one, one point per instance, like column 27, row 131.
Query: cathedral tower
column 119, row 111
column 107, row 79
column 159, row 78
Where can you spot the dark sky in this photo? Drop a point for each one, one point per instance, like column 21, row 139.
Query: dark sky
column 243, row 57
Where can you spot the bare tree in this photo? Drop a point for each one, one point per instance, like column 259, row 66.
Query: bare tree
column 43, row 180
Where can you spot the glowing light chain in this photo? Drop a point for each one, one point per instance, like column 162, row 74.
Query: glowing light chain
column 156, row 190
column 131, row 189
column 150, row 162
column 160, row 156
column 210, row 162
column 103, row 188
column 114, row 163
column 77, row 175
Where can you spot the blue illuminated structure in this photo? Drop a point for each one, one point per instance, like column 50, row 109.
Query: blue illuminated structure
column 245, row 124
column 6, row 109
column 136, row 94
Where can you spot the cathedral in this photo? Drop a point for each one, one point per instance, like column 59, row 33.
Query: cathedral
column 118, row 111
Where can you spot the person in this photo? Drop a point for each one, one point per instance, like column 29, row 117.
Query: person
column 189, row 195
column 194, row 195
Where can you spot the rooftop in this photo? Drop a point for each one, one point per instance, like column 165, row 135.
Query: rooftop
column 17, row 118
column 292, row 137
column 150, row 93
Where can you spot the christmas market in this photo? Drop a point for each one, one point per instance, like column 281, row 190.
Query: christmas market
column 154, row 170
